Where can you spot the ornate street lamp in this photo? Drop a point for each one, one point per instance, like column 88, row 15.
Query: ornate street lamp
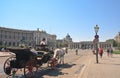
column 96, row 29
column 96, row 40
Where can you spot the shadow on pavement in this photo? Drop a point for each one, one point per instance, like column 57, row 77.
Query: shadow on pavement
column 50, row 72
column 57, row 71
column 66, row 65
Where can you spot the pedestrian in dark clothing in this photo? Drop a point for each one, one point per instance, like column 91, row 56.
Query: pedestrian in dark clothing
column 109, row 52
column 76, row 51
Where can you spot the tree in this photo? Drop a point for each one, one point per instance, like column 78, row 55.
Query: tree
column 112, row 41
column 118, row 46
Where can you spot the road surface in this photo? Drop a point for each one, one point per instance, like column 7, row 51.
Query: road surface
column 73, row 67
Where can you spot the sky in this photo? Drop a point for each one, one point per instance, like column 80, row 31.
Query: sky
column 61, row 17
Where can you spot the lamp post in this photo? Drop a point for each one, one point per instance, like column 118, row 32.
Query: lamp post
column 96, row 40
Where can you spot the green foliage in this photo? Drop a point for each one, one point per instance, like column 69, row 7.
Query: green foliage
column 112, row 41
column 118, row 46
column 116, row 52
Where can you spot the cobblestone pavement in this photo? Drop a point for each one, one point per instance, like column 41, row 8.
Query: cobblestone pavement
column 108, row 67
column 70, row 58
column 2, row 60
column 74, row 66
column 82, row 65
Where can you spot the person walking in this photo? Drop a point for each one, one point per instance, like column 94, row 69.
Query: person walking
column 100, row 52
column 109, row 51
column 76, row 51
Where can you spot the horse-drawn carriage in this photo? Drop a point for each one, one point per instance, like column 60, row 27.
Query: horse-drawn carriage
column 26, row 61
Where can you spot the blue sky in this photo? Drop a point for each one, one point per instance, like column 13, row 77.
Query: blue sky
column 76, row 17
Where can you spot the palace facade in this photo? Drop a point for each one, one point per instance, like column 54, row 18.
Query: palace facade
column 15, row 37
column 84, row 44
column 88, row 45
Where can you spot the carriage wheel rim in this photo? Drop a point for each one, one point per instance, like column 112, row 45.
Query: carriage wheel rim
column 7, row 64
column 30, row 71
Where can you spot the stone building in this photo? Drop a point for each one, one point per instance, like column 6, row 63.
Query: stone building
column 88, row 45
column 85, row 44
column 59, row 43
column 39, row 35
column 79, row 45
column 64, row 42
column 117, row 38
column 68, row 38
column 14, row 37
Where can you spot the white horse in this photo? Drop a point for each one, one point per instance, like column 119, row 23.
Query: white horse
column 59, row 55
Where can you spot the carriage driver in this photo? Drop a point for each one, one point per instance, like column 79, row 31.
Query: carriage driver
column 43, row 44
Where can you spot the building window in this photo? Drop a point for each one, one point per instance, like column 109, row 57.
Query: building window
column 9, row 43
column 13, row 43
column 0, row 42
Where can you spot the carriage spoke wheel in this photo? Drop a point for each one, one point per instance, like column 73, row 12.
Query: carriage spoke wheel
column 30, row 70
column 7, row 68
column 53, row 63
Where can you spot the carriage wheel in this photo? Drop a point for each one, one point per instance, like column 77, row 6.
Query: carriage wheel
column 30, row 69
column 6, row 67
column 52, row 63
